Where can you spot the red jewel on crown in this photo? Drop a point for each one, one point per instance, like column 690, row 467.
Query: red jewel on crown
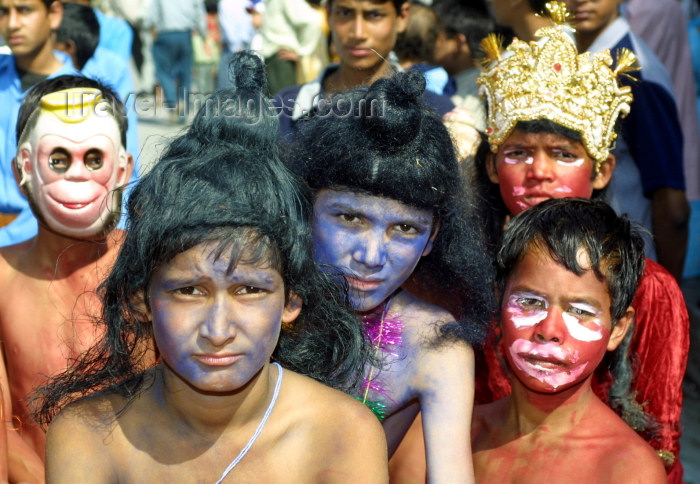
column 489, row 130
column 557, row 67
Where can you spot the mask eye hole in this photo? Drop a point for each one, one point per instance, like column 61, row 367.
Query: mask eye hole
column 59, row 160
column 93, row 160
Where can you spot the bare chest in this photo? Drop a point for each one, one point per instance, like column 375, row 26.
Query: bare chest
column 274, row 457
column 530, row 463
column 387, row 385
column 44, row 325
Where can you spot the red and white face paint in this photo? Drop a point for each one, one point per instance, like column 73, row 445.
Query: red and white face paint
column 556, row 325
column 71, row 170
column 533, row 167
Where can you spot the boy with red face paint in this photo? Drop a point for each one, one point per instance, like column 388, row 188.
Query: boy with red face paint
column 559, row 146
column 567, row 273
column 545, row 144
column 71, row 164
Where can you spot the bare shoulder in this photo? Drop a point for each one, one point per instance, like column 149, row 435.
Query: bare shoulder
column 78, row 441
column 418, row 314
column 348, row 440
column 330, row 407
column 11, row 258
column 632, row 460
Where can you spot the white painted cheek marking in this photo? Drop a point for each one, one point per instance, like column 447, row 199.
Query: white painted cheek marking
column 580, row 332
column 563, row 189
column 521, row 205
column 576, row 163
column 518, row 191
column 519, row 319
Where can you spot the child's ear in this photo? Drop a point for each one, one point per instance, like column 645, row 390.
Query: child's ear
column 138, row 300
column 491, row 167
column 602, row 178
column 55, row 14
column 429, row 245
column 22, row 165
column 462, row 44
column 402, row 16
column 620, row 330
column 292, row 308
column 126, row 166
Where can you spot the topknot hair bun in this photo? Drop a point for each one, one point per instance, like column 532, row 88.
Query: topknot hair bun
column 248, row 72
column 242, row 116
column 394, row 108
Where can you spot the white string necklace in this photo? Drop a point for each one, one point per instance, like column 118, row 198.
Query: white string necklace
column 262, row 423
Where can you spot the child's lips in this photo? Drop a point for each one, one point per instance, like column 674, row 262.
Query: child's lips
column 544, row 363
column 534, row 198
column 362, row 284
column 217, row 359
column 359, row 51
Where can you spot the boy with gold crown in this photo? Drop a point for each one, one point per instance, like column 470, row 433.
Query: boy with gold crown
column 552, row 117
column 552, row 126
column 71, row 164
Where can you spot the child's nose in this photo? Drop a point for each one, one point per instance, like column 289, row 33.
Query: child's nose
column 542, row 166
column 219, row 327
column 551, row 328
column 14, row 19
column 371, row 249
column 359, row 29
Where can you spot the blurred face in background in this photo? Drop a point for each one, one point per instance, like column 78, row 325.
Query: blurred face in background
column 364, row 31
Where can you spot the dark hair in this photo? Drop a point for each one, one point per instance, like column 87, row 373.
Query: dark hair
column 79, row 24
column 384, row 141
column 397, row 3
column 470, row 19
column 562, row 227
column 417, row 41
column 492, row 210
column 48, row 3
column 538, row 6
column 211, row 186
column 27, row 116
column 615, row 249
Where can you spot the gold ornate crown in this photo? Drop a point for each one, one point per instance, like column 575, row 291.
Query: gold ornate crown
column 548, row 79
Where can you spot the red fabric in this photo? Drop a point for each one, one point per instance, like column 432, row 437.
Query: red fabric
column 659, row 352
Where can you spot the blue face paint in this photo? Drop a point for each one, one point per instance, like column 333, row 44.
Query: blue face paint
column 375, row 241
column 216, row 329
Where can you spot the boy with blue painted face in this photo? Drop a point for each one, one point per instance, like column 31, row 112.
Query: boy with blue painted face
column 389, row 211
